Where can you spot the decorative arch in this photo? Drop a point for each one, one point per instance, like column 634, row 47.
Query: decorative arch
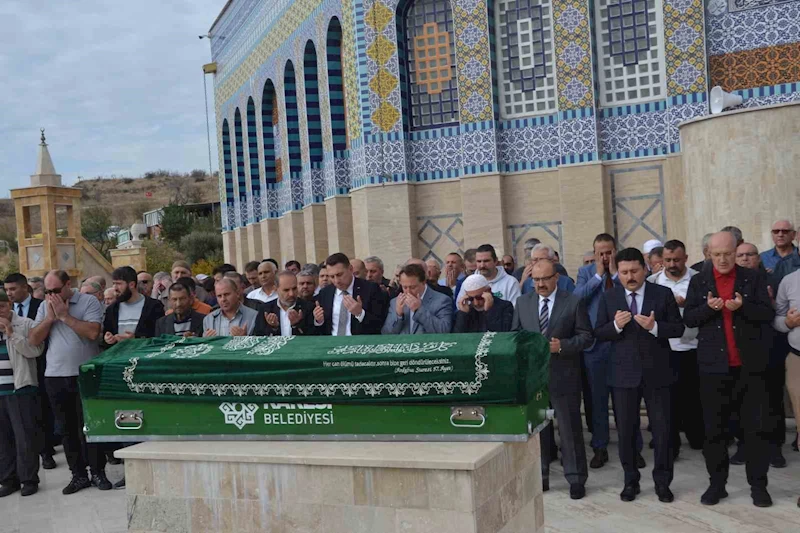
column 270, row 133
column 311, row 78
column 427, row 55
column 242, row 179
column 252, row 152
column 333, row 51
column 292, row 121
column 227, row 169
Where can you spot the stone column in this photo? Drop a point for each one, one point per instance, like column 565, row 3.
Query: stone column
column 382, row 222
column 482, row 212
column 582, row 210
column 254, row 242
column 229, row 246
column 270, row 239
column 316, row 233
column 340, row 225
column 242, row 248
column 293, row 237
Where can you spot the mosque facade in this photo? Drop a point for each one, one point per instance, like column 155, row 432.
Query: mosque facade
column 405, row 128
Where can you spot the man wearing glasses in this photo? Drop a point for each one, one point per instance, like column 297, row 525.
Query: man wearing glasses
column 479, row 311
column 782, row 235
column 71, row 323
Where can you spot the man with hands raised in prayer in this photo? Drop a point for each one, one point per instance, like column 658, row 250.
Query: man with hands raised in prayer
column 287, row 316
column 638, row 318
column 418, row 309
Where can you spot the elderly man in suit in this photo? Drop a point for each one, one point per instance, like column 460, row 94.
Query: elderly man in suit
column 638, row 319
column 418, row 309
column 289, row 315
column 562, row 318
column 479, row 311
column 349, row 305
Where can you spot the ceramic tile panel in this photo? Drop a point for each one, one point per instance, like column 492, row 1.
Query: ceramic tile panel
column 685, row 54
column 474, row 55
column 573, row 32
column 773, row 65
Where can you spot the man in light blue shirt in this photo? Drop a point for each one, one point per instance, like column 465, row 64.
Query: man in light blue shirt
column 783, row 234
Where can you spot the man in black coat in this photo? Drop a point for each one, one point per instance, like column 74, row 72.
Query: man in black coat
column 638, row 318
column 562, row 318
column 133, row 314
column 731, row 307
column 288, row 315
column 183, row 320
column 479, row 311
column 349, row 305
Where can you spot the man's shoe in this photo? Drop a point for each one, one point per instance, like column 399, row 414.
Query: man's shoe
column 629, row 493
column 120, row 484
column 640, row 462
column 600, row 458
column 738, row 457
column 77, row 483
column 100, row 481
column 713, row 495
column 545, row 484
column 794, row 446
column 664, row 494
column 8, row 490
column 48, row 463
column 29, row 489
column 777, row 460
column 576, row 492
column 761, row 497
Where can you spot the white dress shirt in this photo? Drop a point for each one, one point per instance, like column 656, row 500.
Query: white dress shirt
column 639, row 302
column 550, row 300
column 339, row 308
column 679, row 288
column 262, row 296
column 286, row 324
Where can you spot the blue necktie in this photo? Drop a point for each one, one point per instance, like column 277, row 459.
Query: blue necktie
column 634, row 307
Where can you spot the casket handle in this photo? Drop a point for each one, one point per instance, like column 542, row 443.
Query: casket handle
column 465, row 414
column 128, row 417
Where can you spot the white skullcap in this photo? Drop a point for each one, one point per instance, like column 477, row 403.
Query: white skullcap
column 475, row 282
column 649, row 245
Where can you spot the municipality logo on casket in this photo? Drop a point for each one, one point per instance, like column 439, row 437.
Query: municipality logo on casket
column 239, row 414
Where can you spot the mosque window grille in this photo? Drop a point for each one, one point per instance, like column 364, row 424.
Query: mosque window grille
column 631, row 51
column 524, row 31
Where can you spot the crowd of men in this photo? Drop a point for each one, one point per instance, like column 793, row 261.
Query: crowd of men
column 707, row 347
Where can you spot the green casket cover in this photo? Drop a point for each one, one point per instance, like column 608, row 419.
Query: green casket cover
column 477, row 367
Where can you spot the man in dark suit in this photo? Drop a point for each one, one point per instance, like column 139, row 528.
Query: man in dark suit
column 133, row 314
column 479, row 311
column 24, row 304
column 731, row 307
column 348, row 306
column 639, row 318
column 288, row 315
column 418, row 309
column 562, row 318
column 183, row 320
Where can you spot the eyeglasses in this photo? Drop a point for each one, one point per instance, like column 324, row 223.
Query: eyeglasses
column 54, row 291
column 782, row 231
column 548, row 278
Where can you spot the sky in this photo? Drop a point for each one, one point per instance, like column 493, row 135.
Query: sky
column 118, row 87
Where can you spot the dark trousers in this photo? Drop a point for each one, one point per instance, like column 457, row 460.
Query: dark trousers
column 776, row 380
column 68, row 410
column 20, row 439
column 627, row 402
column 686, row 399
column 587, row 395
column 573, row 451
column 596, row 363
column 51, row 439
column 745, row 394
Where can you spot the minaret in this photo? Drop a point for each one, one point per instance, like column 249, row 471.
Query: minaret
column 45, row 171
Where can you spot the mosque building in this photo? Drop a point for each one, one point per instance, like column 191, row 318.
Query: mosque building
column 404, row 128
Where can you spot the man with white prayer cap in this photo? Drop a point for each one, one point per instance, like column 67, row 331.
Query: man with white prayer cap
column 648, row 248
column 479, row 310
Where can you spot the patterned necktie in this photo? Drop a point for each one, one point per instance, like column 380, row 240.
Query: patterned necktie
column 19, row 310
column 341, row 327
column 544, row 317
column 634, row 307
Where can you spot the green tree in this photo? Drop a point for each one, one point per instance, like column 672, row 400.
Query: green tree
column 160, row 255
column 95, row 224
column 201, row 245
column 176, row 222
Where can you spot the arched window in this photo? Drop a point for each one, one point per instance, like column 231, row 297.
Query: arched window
column 428, row 64
column 631, row 51
column 237, row 135
column 524, row 30
column 311, row 78
column 336, row 86
column 252, row 152
column 292, row 123
column 228, row 172
column 269, row 124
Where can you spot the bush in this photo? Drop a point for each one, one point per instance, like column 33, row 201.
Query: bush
column 207, row 266
column 160, row 256
column 201, row 245
column 127, row 181
column 176, row 222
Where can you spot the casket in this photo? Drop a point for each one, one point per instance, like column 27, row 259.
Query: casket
column 455, row 387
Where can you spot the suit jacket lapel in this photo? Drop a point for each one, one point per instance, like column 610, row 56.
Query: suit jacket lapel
column 558, row 308
column 647, row 304
column 535, row 314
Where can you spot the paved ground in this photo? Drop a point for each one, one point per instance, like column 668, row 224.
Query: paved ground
column 93, row 511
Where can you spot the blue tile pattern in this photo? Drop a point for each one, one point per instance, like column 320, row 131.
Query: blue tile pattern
column 754, row 28
column 253, row 215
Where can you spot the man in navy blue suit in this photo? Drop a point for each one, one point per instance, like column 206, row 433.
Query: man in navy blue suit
column 638, row 318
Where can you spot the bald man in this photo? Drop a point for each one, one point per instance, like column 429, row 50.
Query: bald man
column 359, row 268
column 731, row 307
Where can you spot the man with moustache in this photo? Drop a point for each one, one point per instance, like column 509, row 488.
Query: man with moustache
column 232, row 319
column 183, row 320
column 288, row 316
column 783, row 234
column 307, row 283
column 479, row 311
column 266, row 277
column 730, row 307
column 132, row 314
column 637, row 319
column 562, row 318
column 503, row 285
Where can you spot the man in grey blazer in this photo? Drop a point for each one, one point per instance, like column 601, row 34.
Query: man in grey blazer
column 562, row 318
column 418, row 309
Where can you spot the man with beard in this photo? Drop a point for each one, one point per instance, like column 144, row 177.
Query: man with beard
column 133, row 314
column 288, row 316
column 686, row 394
column 637, row 319
column 182, row 320
column 266, row 277
column 479, row 311
column 232, row 319
column 307, row 282
column 503, row 286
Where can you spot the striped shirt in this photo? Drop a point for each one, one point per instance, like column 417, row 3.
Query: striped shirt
column 6, row 372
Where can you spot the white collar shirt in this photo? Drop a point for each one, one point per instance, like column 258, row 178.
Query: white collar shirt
column 339, row 308
column 639, row 302
column 550, row 301
column 679, row 288
column 262, row 296
column 286, row 324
